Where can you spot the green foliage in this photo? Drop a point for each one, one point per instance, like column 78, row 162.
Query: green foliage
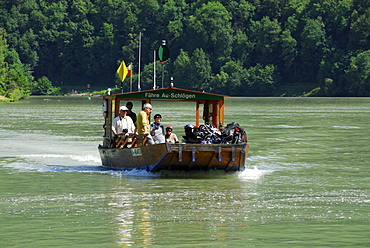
column 3, row 64
column 211, row 27
column 17, row 84
column 232, row 47
column 14, row 77
column 230, row 79
column 312, row 92
column 43, row 86
column 261, row 79
column 182, row 66
column 266, row 37
column 358, row 74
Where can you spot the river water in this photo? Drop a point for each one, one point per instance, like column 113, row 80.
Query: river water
column 307, row 181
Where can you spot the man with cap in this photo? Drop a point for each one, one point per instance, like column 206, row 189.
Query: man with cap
column 142, row 122
column 157, row 130
column 123, row 124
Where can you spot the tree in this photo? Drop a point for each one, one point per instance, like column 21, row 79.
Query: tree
column 3, row 64
column 174, row 12
column 359, row 36
column 14, row 77
column 266, row 38
column 211, row 28
column 17, row 84
column 288, row 50
column 331, row 78
column 231, row 78
column 193, row 72
column 242, row 48
column 43, row 86
column 313, row 46
column 213, row 43
column 241, row 11
column 358, row 74
column 261, row 80
column 182, row 66
column 202, row 70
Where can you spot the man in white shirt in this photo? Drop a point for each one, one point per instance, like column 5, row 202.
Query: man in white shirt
column 123, row 124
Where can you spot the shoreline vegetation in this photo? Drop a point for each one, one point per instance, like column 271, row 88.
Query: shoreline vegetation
column 113, row 91
column 236, row 48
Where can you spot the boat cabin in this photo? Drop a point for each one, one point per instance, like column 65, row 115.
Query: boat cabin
column 213, row 104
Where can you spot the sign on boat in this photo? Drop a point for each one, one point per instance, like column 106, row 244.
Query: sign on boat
column 133, row 152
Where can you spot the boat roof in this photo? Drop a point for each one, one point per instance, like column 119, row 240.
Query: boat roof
column 170, row 94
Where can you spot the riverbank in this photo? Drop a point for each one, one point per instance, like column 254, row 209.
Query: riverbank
column 4, row 99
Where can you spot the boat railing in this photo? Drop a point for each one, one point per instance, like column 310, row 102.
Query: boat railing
column 132, row 140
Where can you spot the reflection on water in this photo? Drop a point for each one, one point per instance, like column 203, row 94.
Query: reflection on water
column 306, row 179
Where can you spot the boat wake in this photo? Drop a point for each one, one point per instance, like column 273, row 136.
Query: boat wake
column 20, row 166
column 62, row 158
column 24, row 167
column 252, row 174
column 92, row 164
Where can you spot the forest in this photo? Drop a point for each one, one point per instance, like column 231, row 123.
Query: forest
column 232, row 47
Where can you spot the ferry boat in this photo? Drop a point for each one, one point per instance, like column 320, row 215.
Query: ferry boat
column 134, row 152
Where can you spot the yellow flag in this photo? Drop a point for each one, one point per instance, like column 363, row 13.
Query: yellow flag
column 122, row 71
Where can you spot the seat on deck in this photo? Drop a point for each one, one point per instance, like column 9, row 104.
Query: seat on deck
column 139, row 140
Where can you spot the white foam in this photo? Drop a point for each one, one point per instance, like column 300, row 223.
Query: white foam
column 259, row 159
column 82, row 158
column 26, row 167
column 346, row 127
column 53, row 159
column 253, row 174
column 135, row 173
column 284, row 126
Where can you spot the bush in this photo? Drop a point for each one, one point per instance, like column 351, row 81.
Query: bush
column 43, row 86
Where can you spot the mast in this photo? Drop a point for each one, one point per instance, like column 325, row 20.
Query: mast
column 131, row 69
column 154, row 74
column 163, row 55
column 138, row 79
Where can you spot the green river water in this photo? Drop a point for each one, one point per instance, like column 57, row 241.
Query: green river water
column 307, row 182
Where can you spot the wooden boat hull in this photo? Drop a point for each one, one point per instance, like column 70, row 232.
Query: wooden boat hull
column 228, row 157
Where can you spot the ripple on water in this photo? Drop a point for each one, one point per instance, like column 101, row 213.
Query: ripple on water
column 346, row 127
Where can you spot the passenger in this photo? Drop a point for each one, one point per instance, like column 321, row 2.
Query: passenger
column 189, row 135
column 195, row 130
column 129, row 105
column 142, row 122
column 157, row 130
column 171, row 138
column 123, row 124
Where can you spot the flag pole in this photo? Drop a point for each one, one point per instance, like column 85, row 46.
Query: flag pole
column 162, row 74
column 138, row 79
column 154, row 74
column 131, row 68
